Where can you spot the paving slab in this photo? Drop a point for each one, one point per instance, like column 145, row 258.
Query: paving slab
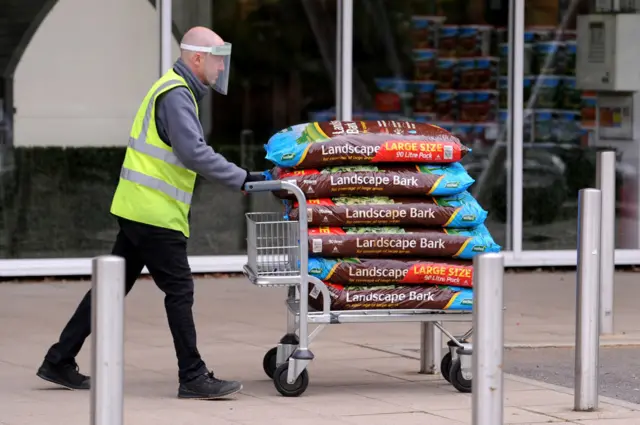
column 352, row 381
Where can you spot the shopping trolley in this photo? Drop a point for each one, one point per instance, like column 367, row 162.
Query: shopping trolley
column 278, row 255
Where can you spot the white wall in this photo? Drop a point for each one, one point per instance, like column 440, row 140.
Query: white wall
column 84, row 73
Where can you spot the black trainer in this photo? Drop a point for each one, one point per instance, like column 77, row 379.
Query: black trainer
column 208, row 387
column 65, row 374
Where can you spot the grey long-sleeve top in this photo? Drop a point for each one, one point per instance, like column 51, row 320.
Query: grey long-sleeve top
column 179, row 127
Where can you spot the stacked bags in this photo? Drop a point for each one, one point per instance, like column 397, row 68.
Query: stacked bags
column 391, row 223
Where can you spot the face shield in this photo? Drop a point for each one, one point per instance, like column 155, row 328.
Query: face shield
column 216, row 64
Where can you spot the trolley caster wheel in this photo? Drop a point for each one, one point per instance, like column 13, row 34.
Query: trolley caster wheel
column 286, row 389
column 445, row 366
column 269, row 362
column 457, row 380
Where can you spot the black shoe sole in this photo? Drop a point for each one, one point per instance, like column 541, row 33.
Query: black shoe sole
column 209, row 397
column 63, row 385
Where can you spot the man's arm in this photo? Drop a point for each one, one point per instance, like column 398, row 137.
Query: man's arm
column 177, row 116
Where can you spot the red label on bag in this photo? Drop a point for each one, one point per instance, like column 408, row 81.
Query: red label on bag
column 326, row 231
column 417, row 150
column 446, row 274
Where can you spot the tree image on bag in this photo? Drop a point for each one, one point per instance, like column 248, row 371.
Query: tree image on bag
column 363, row 200
column 363, row 230
column 352, row 169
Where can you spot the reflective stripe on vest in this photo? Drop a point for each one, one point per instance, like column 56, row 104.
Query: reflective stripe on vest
column 154, row 183
column 140, row 143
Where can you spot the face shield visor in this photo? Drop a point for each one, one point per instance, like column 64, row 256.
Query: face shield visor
column 216, row 64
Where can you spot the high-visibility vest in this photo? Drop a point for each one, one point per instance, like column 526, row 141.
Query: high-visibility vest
column 154, row 187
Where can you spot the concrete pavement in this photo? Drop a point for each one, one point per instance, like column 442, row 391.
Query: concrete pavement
column 361, row 374
column 619, row 368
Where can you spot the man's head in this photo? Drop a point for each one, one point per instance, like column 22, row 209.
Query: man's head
column 205, row 65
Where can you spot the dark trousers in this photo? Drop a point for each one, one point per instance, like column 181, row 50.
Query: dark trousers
column 164, row 252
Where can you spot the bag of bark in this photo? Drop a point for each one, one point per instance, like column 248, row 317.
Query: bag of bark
column 459, row 211
column 322, row 144
column 385, row 271
column 384, row 242
column 411, row 297
column 377, row 180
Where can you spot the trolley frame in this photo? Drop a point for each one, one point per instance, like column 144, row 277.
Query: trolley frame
column 278, row 256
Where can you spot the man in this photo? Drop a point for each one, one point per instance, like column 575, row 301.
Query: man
column 152, row 203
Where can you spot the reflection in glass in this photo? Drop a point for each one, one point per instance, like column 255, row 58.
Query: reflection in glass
column 54, row 202
column 438, row 62
column 561, row 132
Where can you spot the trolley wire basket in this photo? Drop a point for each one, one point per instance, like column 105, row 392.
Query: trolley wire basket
column 273, row 245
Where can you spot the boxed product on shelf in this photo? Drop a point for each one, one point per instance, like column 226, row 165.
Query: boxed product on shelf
column 544, row 125
column 528, row 83
column 474, row 40
column 394, row 95
column 466, row 73
column 447, row 108
column 571, row 97
column 588, row 109
column 556, row 126
column 503, row 92
column 547, row 91
column 549, row 57
column 466, row 105
column 486, row 106
column 448, row 73
column 448, row 36
column 567, row 127
column 424, row 31
column 425, row 65
column 424, row 96
column 477, row 105
column 570, row 56
column 478, row 73
column 487, row 72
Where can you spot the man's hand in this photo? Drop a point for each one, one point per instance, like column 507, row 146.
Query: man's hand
column 253, row 177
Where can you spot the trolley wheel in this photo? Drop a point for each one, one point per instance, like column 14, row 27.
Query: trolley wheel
column 445, row 366
column 457, row 380
column 269, row 362
column 286, row 389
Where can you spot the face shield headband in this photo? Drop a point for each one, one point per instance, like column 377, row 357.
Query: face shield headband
column 216, row 66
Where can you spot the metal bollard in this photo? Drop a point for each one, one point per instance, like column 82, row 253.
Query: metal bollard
column 164, row 8
column 430, row 348
column 488, row 325
column 107, row 340
column 606, row 183
column 588, row 275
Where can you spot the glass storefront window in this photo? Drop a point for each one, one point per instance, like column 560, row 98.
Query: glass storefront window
column 283, row 72
column 560, row 130
column 440, row 62
column 55, row 196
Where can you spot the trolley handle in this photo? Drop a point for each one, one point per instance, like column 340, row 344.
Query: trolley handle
column 264, row 186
